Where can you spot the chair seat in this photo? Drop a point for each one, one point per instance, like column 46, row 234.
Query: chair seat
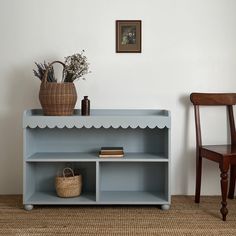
column 227, row 150
column 217, row 152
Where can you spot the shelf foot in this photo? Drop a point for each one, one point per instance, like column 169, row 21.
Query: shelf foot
column 28, row 207
column 165, row 207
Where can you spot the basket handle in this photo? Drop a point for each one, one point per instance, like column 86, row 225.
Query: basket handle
column 68, row 168
column 47, row 70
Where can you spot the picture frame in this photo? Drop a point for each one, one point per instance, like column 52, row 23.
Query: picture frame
column 128, row 36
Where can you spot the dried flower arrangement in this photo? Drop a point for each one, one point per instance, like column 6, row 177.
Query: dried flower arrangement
column 76, row 66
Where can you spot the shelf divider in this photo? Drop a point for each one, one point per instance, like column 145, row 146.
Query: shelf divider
column 97, row 182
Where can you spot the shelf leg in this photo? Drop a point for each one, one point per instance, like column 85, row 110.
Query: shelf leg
column 28, row 207
column 165, row 207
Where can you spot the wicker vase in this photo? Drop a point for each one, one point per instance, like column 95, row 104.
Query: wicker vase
column 57, row 99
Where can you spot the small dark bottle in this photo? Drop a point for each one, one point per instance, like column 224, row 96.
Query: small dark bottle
column 85, row 106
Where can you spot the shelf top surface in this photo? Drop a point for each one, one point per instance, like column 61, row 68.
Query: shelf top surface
column 88, row 157
column 100, row 118
column 107, row 112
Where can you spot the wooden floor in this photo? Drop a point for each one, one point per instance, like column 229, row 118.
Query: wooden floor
column 184, row 218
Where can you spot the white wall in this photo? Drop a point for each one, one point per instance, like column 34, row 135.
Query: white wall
column 188, row 45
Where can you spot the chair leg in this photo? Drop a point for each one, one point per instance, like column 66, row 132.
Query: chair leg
column 232, row 181
column 224, row 190
column 198, row 178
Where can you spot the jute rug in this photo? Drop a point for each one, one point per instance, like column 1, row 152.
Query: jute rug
column 184, row 218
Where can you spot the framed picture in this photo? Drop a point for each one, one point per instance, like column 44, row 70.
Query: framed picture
column 128, row 36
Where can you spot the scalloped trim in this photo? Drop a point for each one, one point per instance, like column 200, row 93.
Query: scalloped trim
column 97, row 122
column 34, row 125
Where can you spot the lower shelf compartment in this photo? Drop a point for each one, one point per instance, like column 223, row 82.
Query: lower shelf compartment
column 132, row 197
column 51, row 198
column 106, row 198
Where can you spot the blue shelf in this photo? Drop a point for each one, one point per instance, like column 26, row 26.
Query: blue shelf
column 132, row 197
column 142, row 176
column 93, row 157
column 51, row 198
column 100, row 119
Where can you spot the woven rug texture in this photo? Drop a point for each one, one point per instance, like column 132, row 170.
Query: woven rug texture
column 184, row 218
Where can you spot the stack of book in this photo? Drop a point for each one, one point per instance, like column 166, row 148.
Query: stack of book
column 111, row 152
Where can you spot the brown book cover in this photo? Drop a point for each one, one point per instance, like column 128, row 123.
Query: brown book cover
column 112, row 152
column 113, row 149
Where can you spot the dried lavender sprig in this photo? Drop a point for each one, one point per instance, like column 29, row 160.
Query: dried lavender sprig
column 41, row 69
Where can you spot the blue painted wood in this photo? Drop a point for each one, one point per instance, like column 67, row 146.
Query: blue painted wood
column 47, row 197
column 100, row 118
column 141, row 177
column 97, row 182
column 133, row 176
column 133, row 197
column 91, row 140
column 93, row 157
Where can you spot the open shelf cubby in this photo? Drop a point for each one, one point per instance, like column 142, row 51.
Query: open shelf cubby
column 86, row 143
column 40, row 182
column 142, row 176
column 133, row 183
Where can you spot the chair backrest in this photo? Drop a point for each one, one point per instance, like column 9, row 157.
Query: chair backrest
column 213, row 99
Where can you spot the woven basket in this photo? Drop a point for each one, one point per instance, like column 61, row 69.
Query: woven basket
column 57, row 99
column 68, row 186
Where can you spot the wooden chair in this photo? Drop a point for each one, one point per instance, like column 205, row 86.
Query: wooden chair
column 225, row 155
